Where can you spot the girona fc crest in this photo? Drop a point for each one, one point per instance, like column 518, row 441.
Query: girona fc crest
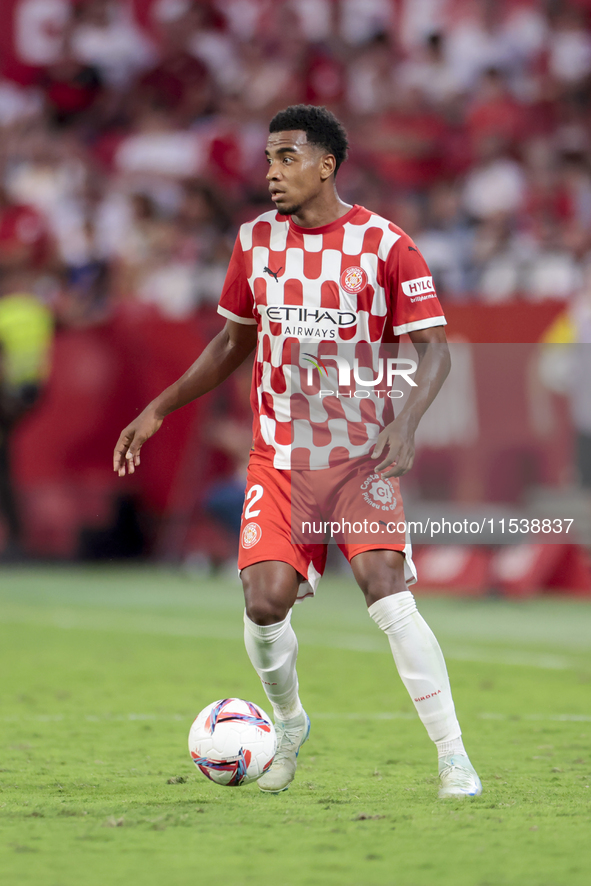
column 354, row 279
column 251, row 535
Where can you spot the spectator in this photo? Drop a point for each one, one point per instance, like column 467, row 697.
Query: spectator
column 25, row 339
column 18, row 103
column 138, row 244
column 158, row 147
column 446, row 242
column 25, row 241
column 553, row 270
column 430, row 72
column 494, row 113
column 72, row 88
column 105, row 37
column 179, row 83
column 496, row 184
column 407, row 142
column 575, row 188
column 480, row 42
column 569, row 58
column 370, row 78
column 498, row 260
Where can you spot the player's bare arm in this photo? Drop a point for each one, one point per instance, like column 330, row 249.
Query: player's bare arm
column 220, row 358
column 397, row 439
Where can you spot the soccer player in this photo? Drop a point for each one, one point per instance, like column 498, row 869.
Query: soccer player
column 315, row 271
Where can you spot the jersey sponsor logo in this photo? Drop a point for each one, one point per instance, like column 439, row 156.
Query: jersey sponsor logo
column 423, row 297
column 419, row 286
column 379, row 493
column 309, row 332
column 251, row 535
column 353, row 279
column 274, row 274
column 309, row 323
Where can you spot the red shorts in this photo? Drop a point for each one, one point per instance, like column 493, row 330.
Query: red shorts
column 291, row 515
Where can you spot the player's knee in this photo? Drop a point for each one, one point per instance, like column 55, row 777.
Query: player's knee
column 379, row 577
column 265, row 610
column 266, row 602
column 270, row 591
column 375, row 590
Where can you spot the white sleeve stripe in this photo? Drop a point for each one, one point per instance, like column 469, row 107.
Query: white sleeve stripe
column 420, row 324
column 246, row 321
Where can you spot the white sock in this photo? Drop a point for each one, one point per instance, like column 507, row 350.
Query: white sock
column 421, row 667
column 273, row 650
column 450, row 748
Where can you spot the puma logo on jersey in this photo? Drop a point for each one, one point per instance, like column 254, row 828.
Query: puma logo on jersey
column 412, row 249
column 274, row 274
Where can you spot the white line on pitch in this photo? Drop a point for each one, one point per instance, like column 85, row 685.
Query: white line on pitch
column 406, row 715
column 319, row 715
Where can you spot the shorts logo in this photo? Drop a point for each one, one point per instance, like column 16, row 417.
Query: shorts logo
column 251, row 535
column 378, row 493
column 354, row 279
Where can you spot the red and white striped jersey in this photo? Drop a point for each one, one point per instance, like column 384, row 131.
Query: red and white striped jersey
column 312, row 291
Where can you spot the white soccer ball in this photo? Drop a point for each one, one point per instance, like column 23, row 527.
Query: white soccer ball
column 232, row 742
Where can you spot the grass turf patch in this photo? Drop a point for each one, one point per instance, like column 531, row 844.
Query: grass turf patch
column 105, row 670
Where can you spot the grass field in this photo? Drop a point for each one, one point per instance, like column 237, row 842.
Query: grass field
column 104, row 670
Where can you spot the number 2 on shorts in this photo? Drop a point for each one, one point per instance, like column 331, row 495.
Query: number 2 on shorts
column 255, row 493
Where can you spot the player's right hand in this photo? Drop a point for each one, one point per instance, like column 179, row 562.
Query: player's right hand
column 131, row 440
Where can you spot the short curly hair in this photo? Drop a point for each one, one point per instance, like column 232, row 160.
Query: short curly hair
column 320, row 125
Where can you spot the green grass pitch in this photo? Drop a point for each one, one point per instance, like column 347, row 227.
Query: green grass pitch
column 103, row 670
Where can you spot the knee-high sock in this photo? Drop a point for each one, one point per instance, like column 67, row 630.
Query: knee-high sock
column 273, row 650
column 421, row 667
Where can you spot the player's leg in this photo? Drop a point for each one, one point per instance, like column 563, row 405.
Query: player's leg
column 418, row 657
column 270, row 590
column 271, row 569
column 275, row 572
column 420, row 663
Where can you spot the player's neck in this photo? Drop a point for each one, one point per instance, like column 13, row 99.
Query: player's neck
column 324, row 210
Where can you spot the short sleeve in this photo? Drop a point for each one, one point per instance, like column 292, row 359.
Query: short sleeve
column 409, row 284
column 236, row 301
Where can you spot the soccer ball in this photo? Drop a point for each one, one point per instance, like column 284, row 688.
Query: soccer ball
column 232, row 742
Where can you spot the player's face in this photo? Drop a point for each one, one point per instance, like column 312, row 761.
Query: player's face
column 296, row 170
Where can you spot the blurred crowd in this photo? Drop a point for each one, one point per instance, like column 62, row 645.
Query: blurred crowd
column 132, row 136
column 132, row 139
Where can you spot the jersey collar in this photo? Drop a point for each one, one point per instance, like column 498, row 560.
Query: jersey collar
column 325, row 229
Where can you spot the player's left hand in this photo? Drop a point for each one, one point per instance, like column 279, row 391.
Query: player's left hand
column 398, row 444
